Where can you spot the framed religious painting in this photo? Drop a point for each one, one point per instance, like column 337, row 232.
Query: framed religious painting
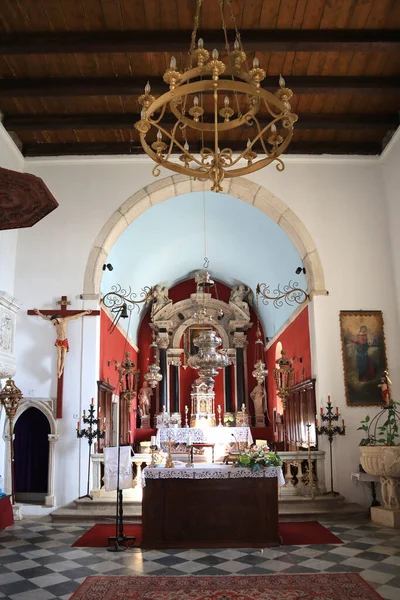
column 364, row 356
column 191, row 334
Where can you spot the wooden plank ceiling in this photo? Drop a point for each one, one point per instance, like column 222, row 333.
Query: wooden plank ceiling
column 71, row 70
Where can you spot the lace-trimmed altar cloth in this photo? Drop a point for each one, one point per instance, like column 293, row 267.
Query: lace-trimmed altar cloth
column 211, row 471
column 209, row 435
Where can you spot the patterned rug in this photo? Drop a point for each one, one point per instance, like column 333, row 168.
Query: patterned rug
column 330, row 586
column 292, row 534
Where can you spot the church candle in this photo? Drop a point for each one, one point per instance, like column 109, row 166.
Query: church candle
column 153, row 440
column 316, row 422
column 84, row 413
column 321, row 410
column 92, row 402
column 342, row 422
column 189, row 440
column 337, row 410
column 78, row 426
column 98, row 412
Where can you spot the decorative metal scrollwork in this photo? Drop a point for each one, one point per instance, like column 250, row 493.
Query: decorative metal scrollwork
column 289, row 294
column 122, row 301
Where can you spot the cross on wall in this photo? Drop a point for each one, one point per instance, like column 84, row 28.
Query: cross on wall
column 62, row 312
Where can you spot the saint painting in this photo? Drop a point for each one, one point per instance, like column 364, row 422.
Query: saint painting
column 364, row 356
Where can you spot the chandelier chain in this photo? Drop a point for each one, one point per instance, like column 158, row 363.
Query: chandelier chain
column 194, row 32
column 223, row 24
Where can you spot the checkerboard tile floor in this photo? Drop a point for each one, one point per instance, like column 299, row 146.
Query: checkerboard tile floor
column 37, row 561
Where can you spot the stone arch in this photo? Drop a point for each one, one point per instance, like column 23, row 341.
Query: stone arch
column 167, row 188
column 45, row 405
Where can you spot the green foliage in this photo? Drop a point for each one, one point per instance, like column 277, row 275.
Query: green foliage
column 384, row 433
column 258, row 457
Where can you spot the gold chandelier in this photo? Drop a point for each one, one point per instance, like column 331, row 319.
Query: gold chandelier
column 200, row 106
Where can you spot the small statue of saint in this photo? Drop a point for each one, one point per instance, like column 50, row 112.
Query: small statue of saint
column 144, row 396
column 61, row 343
column 258, row 397
column 385, row 388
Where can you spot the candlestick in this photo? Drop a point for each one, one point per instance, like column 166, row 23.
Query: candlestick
column 330, row 430
column 93, row 434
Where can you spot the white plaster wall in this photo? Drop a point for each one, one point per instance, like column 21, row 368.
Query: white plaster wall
column 341, row 203
column 390, row 174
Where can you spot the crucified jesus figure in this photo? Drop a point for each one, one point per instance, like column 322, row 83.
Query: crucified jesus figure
column 60, row 323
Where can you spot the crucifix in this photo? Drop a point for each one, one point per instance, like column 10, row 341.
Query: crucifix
column 60, row 318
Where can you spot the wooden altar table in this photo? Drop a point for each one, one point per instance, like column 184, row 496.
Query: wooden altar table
column 210, row 506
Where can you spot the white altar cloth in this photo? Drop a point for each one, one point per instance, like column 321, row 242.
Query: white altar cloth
column 208, row 435
column 209, row 471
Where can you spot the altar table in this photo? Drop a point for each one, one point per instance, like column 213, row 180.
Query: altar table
column 210, row 506
column 206, row 435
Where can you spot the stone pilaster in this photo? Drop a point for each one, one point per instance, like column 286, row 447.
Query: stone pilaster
column 240, row 343
column 9, row 306
column 50, row 499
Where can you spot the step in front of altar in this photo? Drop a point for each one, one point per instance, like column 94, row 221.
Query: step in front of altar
column 295, row 508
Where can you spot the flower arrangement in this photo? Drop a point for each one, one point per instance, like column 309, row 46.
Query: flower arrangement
column 258, row 457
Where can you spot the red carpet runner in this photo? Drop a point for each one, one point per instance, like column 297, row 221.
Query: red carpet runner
column 322, row 586
column 293, row 534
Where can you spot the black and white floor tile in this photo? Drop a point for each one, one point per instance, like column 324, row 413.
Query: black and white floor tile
column 37, row 561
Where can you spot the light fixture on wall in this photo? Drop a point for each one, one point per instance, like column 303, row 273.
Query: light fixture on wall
column 283, row 376
column 289, row 294
column 178, row 121
column 10, row 397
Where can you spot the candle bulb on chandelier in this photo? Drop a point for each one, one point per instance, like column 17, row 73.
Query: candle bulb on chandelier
column 147, row 88
column 256, row 62
column 172, row 64
column 195, row 101
column 215, row 54
column 236, row 44
column 226, row 101
column 200, row 43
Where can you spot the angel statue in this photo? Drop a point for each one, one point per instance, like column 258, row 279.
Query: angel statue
column 160, row 297
column 241, row 295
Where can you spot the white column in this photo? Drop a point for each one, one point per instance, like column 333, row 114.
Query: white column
column 50, row 499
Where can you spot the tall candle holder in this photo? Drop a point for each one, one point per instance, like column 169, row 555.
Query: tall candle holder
column 308, row 478
column 219, row 410
column 330, row 430
column 91, row 432
column 186, row 416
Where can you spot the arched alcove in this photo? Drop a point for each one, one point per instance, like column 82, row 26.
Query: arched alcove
column 44, row 406
column 169, row 187
column 31, row 456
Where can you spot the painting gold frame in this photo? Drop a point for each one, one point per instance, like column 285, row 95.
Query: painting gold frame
column 364, row 356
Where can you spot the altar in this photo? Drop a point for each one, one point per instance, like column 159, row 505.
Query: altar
column 220, row 437
column 210, row 506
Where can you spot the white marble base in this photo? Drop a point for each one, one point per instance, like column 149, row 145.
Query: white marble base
column 145, row 422
column 388, row 517
column 17, row 512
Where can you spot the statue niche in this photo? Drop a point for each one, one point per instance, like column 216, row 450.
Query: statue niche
column 202, row 404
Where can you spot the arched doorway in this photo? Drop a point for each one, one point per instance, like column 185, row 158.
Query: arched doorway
column 31, row 456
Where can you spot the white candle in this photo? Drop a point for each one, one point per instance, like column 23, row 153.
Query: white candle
column 153, row 440
column 189, row 440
